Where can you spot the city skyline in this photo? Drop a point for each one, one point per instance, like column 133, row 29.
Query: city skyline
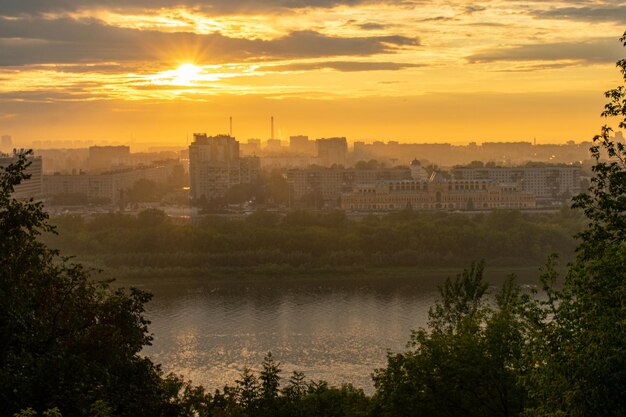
column 411, row 71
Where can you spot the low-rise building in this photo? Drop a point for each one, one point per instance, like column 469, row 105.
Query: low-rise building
column 548, row 183
column 109, row 186
column 327, row 184
column 437, row 193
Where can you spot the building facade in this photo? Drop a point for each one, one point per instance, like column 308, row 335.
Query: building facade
column 301, row 145
column 32, row 187
column 547, row 183
column 109, row 186
column 215, row 166
column 327, row 184
column 332, row 151
column 436, row 193
column 103, row 158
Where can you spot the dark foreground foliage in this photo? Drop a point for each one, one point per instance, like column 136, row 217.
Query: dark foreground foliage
column 65, row 341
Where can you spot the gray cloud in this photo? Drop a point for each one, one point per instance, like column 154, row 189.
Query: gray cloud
column 438, row 19
column 34, row 7
column 344, row 66
column 38, row 41
column 372, row 26
column 474, row 8
column 602, row 50
column 587, row 14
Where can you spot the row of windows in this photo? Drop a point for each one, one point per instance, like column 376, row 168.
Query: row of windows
column 434, row 206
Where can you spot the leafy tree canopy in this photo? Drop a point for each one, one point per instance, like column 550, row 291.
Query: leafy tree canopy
column 66, row 341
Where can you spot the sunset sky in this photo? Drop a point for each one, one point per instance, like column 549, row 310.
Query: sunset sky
column 428, row 71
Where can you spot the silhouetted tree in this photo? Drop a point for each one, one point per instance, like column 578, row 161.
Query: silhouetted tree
column 465, row 363
column 577, row 358
column 66, row 341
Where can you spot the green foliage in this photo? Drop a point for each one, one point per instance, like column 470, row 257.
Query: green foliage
column 465, row 362
column 605, row 203
column 319, row 241
column 262, row 396
column 577, row 358
column 29, row 412
column 148, row 191
column 65, row 341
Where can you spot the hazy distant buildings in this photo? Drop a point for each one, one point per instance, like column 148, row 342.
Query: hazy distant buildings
column 322, row 187
column 273, row 146
column 301, row 145
column 501, row 153
column 6, row 143
column 32, row 187
column 436, row 193
column 215, row 166
column 548, row 183
column 332, row 151
column 102, row 158
column 105, row 187
column 252, row 148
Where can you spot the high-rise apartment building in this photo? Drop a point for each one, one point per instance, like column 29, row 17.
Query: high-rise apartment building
column 332, row 151
column 253, row 147
column 301, row 145
column 215, row 166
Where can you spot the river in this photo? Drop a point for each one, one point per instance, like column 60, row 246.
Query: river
column 338, row 330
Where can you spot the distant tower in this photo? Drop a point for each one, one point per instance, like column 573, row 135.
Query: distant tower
column 332, row 151
column 231, row 127
column 272, row 122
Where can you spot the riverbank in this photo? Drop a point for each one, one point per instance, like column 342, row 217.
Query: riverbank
column 282, row 274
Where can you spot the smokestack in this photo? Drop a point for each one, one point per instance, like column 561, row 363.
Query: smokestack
column 272, row 128
column 231, row 126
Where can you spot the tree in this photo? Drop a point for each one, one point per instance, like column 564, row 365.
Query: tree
column 464, row 364
column 66, row 341
column 576, row 358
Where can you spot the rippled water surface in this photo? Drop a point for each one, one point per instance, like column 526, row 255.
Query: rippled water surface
column 336, row 330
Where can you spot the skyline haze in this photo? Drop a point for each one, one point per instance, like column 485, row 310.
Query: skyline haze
column 442, row 71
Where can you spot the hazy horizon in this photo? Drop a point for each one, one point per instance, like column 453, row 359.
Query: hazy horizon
column 442, row 71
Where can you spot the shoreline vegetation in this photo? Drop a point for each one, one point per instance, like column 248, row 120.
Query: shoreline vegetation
column 307, row 245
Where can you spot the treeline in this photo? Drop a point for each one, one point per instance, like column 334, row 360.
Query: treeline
column 302, row 239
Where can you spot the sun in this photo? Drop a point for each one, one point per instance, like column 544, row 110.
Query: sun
column 186, row 74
